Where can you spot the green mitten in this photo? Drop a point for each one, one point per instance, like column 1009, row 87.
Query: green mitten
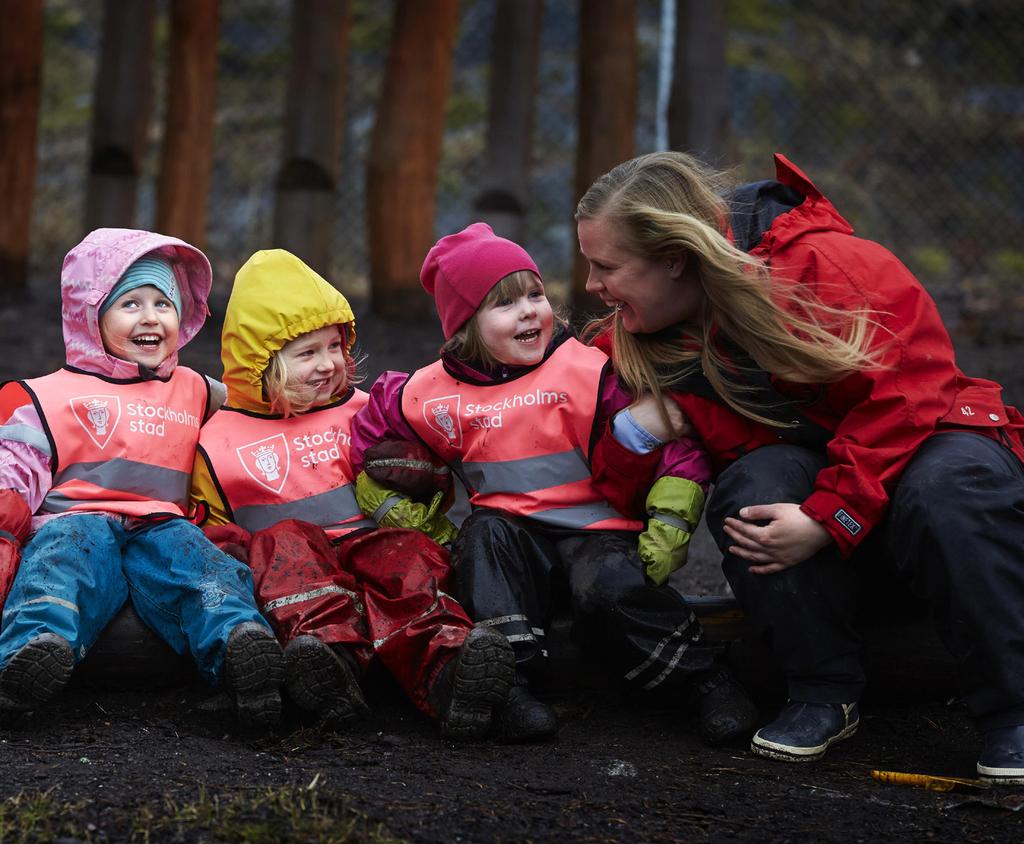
column 674, row 507
column 392, row 509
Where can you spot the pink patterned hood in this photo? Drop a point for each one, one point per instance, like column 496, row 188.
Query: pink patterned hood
column 90, row 272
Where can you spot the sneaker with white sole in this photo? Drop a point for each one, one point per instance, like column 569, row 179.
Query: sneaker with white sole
column 1002, row 756
column 803, row 731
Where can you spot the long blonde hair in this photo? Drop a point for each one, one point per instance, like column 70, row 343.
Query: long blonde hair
column 668, row 204
column 467, row 345
column 292, row 399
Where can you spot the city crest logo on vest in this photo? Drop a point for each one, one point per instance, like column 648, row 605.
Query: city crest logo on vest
column 98, row 415
column 267, row 461
column 442, row 415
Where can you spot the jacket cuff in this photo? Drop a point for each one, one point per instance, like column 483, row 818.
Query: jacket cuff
column 845, row 525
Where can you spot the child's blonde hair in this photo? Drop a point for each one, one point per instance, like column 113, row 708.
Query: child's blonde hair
column 467, row 345
column 666, row 204
column 292, row 399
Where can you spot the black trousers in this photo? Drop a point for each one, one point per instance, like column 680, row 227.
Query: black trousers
column 954, row 531
column 508, row 573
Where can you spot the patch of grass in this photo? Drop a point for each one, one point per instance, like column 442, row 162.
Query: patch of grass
column 264, row 816
column 39, row 816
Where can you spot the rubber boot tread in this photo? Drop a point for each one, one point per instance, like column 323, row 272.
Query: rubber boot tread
column 483, row 675
column 321, row 681
column 253, row 674
column 37, row 672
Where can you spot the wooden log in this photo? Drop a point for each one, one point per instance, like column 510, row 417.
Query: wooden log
column 21, row 60
column 187, row 153
column 120, row 116
column 405, row 153
column 514, row 57
column 698, row 109
column 606, row 105
column 305, row 189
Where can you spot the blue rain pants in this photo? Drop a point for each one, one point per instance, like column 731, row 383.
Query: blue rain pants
column 78, row 571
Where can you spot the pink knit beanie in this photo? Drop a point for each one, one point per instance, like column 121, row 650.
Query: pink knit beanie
column 460, row 270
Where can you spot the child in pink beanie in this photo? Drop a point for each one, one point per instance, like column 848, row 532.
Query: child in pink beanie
column 526, row 416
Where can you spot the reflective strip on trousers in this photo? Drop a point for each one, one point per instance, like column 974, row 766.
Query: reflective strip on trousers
column 328, row 510
column 53, row 599
column 433, row 606
column 681, row 648
column 155, row 483
column 319, row 592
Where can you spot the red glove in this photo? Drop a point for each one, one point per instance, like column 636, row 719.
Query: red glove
column 409, row 468
column 15, row 523
column 231, row 539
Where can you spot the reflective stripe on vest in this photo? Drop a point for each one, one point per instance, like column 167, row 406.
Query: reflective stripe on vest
column 120, row 447
column 521, row 445
column 270, row 469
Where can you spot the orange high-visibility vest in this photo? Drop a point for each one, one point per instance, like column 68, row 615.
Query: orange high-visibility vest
column 269, row 469
column 120, row 446
column 522, row 445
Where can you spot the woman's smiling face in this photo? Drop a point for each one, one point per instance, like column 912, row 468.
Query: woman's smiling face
column 648, row 294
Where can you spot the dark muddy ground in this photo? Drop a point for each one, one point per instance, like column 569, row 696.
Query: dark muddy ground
column 166, row 764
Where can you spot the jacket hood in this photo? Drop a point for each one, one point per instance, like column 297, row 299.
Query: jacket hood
column 275, row 298
column 90, row 272
column 769, row 214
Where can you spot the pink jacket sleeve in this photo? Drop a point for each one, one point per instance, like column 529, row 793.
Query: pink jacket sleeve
column 25, row 456
column 381, row 418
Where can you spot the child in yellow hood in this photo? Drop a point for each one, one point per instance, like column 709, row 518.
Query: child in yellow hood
column 273, row 480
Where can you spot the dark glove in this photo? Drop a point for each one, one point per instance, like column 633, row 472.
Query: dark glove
column 674, row 506
column 409, row 468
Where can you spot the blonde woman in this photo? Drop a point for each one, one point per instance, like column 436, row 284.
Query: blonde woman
column 817, row 372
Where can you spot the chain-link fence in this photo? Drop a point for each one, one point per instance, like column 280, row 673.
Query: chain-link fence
column 909, row 114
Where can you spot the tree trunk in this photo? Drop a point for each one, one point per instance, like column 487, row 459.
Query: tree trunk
column 698, row 110
column 120, row 112
column 21, row 61
column 405, row 153
column 514, row 55
column 304, row 209
column 188, row 128
column 607, row 104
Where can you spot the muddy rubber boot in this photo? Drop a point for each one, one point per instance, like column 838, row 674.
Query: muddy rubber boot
column 253, row 673
column 322, row 681
column 474, row 684
column 724, row 708
column 524, row 719
column 35, row 674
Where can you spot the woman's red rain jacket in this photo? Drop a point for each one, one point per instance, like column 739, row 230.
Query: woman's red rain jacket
column 879, row 417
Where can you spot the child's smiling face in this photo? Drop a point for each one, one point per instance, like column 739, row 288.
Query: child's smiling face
column 517, row 330
column 141, row 326
column 316, row 362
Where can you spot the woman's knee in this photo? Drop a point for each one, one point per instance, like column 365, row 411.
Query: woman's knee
column 769, row 475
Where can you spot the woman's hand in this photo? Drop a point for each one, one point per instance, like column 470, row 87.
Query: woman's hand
column 646, row 411
column 789, row 537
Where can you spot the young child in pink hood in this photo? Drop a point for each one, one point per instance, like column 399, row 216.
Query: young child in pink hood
column 95, row 463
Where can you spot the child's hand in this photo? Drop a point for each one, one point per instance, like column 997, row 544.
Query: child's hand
column 650, row 413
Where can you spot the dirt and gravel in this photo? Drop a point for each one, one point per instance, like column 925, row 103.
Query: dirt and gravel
column 167, row 763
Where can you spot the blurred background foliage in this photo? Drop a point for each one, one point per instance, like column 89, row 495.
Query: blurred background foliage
column 909, row 114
